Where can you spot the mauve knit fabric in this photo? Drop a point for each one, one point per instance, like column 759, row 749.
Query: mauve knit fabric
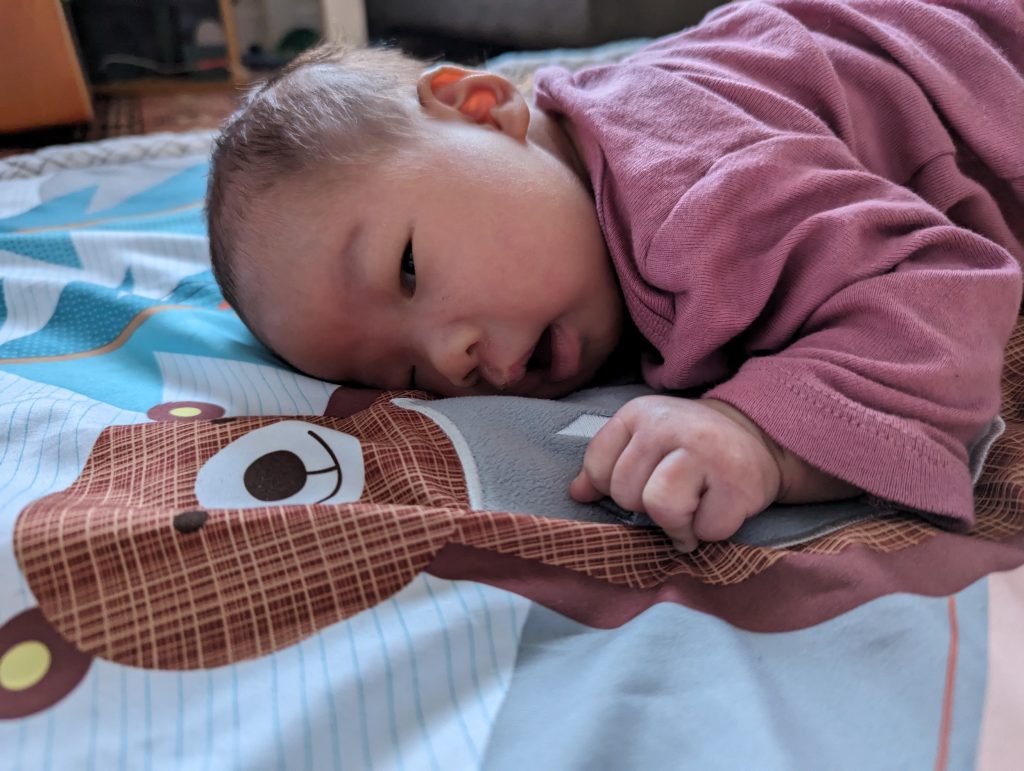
column 816, row 209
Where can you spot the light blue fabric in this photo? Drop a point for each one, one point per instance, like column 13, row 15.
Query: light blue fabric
column 680, row 689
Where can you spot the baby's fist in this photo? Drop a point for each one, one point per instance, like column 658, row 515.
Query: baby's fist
column 699, row 469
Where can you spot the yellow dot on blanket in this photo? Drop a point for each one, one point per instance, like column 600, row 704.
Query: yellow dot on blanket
column 24, row 665
column 185, row 412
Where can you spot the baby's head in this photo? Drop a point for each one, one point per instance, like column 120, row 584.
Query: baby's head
column 376, row 223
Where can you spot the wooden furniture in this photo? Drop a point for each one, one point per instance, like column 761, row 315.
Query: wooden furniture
column 42, row 84
column 41, row 81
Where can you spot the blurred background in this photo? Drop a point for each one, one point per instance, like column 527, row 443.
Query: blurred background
column 79, row 70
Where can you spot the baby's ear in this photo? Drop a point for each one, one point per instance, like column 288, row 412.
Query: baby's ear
column 483, row 98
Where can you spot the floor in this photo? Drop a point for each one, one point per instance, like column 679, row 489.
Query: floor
column 124, row 115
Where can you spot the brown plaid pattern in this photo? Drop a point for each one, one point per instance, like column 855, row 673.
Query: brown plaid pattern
column 113, row 575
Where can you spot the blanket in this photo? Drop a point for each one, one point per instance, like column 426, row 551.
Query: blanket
column 212, row 561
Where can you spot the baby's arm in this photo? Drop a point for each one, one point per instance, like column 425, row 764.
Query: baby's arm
column 852, row 321
column 699, row 468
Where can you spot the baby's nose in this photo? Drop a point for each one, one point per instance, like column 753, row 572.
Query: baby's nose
column 454, row 354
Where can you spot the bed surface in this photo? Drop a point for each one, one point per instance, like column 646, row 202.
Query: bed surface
column 179, row 591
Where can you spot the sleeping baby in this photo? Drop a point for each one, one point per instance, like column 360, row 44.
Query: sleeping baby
column 803, row 219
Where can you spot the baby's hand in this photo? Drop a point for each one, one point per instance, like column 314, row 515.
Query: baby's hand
column 699, row 469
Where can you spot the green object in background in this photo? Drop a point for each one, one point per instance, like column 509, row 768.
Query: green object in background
column 297, row 40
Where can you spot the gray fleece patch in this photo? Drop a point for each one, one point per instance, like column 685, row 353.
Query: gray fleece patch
column 520, row 455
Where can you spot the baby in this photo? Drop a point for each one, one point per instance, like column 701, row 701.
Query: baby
column 812, row 212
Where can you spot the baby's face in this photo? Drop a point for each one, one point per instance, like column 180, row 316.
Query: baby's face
column 467, row 263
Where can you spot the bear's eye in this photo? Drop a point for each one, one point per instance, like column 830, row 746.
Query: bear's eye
column 276, row 476
column 285, row 463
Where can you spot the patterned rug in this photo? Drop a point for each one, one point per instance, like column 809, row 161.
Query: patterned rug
column 124, row 115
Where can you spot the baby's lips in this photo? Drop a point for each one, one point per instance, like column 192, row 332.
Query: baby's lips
column 503, row 378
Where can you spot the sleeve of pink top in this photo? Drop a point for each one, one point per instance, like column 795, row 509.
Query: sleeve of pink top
column 886, row 321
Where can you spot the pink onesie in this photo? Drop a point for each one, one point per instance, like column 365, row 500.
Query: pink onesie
column 816, row 210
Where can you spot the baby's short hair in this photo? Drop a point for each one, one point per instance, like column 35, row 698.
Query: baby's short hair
column 329, row 104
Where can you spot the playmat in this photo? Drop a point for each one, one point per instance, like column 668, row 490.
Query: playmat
column 208, row 560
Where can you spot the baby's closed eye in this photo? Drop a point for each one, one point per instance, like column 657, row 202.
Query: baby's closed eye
column 407, row 269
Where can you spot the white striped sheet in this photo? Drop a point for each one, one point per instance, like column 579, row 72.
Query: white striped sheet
column 415, row 683
column 116, row 183
column 158, row 262
column 19, row 195
column 31, row 290
column 241, row 388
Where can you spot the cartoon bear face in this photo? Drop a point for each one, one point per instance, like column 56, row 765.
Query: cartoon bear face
column 203, row 540
column 195, row 543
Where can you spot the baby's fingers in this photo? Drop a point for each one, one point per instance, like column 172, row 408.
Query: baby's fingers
column 672, row 495
column 723, row 510
column 582, row 489
column 594, row 480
